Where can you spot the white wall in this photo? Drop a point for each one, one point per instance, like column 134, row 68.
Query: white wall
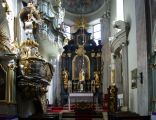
column 129, row 16
column 112, row 17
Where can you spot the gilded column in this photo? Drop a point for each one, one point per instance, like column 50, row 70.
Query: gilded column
column 11, row 95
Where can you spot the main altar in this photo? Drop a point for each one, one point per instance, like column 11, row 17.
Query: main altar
column 81, row 69
column 81, row 100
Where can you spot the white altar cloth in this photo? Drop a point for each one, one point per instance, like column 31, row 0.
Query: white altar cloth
column 80, row 97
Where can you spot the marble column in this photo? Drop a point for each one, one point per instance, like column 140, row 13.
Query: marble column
column 125, row 75
column 105, row 29
column 11, row 95
column 105, row 57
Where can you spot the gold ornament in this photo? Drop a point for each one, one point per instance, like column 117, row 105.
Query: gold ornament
column 81, row 22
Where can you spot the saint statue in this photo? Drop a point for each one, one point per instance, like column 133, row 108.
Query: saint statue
column 61, row 14
column 97, row 80
column 58, row 2
column 93, row 85
column 82, row 75
column 65, row 78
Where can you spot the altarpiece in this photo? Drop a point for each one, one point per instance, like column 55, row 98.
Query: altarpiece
column 81, row 61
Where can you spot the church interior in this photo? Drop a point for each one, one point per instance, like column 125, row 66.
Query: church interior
column 77, row 60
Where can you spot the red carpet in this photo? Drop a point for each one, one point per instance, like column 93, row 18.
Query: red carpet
column 54, row 109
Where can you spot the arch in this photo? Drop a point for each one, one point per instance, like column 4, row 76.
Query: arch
column 77, row 66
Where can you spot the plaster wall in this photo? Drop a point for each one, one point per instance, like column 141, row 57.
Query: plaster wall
column 141, row 38
column 112, row 17
column 129, row 16
column 134, row 14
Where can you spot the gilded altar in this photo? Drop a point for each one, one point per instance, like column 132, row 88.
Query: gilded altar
column 81, row 59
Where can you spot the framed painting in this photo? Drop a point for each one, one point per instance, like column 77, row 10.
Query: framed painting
column 134, row 78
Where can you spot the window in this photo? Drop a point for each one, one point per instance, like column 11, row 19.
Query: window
column 67, row 31
column 119, row 10
column 97, row 32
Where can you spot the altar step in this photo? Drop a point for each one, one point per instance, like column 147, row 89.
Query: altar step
column 47, row 116
column 58, row 109
column 82, row 115
column 65, row 107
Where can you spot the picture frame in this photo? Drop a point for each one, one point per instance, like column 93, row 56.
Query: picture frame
column 134, row 78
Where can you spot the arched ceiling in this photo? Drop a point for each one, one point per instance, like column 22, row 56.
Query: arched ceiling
column 82, row 6
column 92, row 9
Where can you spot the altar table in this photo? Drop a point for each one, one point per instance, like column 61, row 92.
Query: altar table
column 80, row 97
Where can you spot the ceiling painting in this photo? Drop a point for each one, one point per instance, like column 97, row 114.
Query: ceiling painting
column 82, row 6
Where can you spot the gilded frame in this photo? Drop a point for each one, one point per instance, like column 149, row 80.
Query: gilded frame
column 81, row 39
column 74, row 67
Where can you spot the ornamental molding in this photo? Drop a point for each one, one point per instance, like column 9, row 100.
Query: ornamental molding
column 120, row 39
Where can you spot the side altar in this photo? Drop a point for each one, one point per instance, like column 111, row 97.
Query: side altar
column 81, row 68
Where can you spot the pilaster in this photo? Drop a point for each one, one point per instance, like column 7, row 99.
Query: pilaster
column 119, row 44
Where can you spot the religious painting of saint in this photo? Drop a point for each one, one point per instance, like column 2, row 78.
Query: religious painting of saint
column 82, row 6
column 81, row 39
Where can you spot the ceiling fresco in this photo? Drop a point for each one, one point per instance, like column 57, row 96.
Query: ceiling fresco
column 82, row 6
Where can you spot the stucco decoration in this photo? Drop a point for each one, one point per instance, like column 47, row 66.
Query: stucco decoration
column 82, row 6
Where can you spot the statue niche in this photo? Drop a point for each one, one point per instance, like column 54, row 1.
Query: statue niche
column 81, row 68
